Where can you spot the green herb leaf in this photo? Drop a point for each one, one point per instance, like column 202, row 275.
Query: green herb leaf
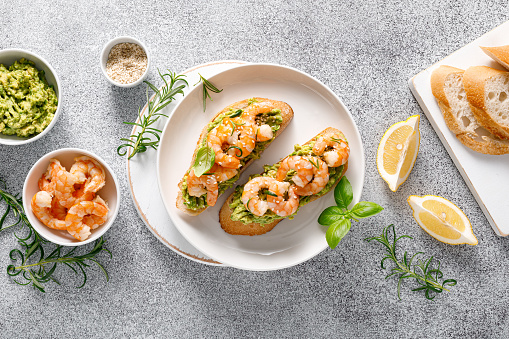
column 148, row 137
column 337, row 231
column 365, row 209
column 271, row 193
column 330, row 215
column 207, row 86
column 205, row 158
column 237, row 154
column 427, row 278
column 40, row 271
column 236, row 113
column 343, row 193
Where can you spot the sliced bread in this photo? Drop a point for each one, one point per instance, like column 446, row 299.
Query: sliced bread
column 500, row 54
column 487, row 92
column 447, row 87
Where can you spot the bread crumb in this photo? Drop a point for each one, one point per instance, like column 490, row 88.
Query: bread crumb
column 126, row 63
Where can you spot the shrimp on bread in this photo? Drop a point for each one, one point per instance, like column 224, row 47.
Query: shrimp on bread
column 293, row 184
column 237, row 135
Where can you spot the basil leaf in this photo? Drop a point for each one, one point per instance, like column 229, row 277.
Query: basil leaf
column 365, row 209
column 337, row 231
column 204, row 161
column 343, row 193
column 330, row 215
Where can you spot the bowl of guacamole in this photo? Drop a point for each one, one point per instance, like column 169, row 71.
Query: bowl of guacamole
column 29, row 97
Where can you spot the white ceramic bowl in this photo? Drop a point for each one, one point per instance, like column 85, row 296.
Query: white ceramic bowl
column 106, row 51
column 110, row 193
column 7, row 57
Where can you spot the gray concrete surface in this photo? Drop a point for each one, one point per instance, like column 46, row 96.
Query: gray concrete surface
column 365, row 52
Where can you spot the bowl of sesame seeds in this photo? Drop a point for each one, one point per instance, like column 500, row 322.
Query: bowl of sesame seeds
column 125, row 61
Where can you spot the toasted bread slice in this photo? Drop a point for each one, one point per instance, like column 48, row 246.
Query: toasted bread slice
column 447, row 87
column 500, row 54
column 286, row 114
column 488, row 94
column 239, row 228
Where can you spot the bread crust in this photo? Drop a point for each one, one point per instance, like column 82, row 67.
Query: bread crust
column 474, row 81
column 286, row 114
column 239, row 228
column 438, row 78
column 499, row 53
column 488, row 145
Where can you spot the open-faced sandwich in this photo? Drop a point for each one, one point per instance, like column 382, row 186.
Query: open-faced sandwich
column 227, row 146
column 312, row 170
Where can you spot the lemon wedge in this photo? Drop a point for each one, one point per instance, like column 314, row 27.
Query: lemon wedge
column 398, row 150
column 442, row 219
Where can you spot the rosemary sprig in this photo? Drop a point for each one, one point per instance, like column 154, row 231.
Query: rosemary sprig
column 149, row 136
column 427, row 277
column 36, row 272
column 207, row 86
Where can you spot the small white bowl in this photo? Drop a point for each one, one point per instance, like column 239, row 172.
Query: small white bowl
column 106, row 51
column 110, row 193
column 7, row 57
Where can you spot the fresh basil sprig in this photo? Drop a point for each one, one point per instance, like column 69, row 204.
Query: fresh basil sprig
column 205, row 158
column 338, row 217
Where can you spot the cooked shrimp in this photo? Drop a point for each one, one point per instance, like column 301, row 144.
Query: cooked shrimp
column 300, row 164
column 90, row 172
column 45, row 183
column 278, row 204
column 264, row 133
column 242, row 140
column 198, row 186
column 250, row 197
column 215, row 139
column 255, row 109
column 57, row 210
column 64, row 185
column 92, row 220
column 223, row 173
column 340, row 151
column 320, row 179
column 74, row 220
column 41, row 206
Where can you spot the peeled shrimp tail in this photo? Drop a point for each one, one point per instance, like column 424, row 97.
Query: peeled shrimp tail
column 41, row 207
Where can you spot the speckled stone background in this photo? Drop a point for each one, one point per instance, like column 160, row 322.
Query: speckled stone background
column 365, row 51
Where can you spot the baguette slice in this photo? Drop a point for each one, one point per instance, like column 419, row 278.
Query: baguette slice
column 500, row 54
column 239, row 228
column 287, row 115
column 447, row 87
column 488, row 94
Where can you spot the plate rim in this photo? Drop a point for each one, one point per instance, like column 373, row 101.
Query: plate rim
column 355, row 131
column 210, row 262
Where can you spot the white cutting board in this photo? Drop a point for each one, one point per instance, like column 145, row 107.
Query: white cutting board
column 487, row 176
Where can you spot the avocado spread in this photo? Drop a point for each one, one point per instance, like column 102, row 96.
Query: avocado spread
column 27, row 102
column 273, row 119
column 239, row 211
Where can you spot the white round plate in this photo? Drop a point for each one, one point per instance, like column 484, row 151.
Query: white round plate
column 142, row 175
column 315, row 107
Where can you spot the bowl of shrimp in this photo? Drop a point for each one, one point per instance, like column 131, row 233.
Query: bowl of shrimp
column 71, row 197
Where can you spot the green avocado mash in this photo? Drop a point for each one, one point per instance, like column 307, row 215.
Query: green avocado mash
column 273, row 119
column 239, row 211
column 27, row 102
